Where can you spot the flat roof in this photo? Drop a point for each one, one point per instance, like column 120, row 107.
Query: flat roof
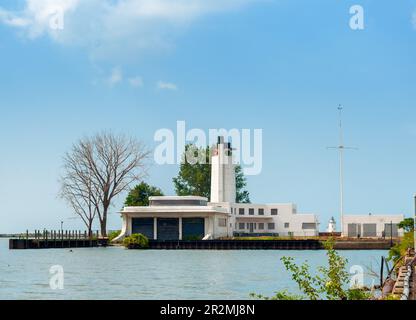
column 174, row 209
column 174, row 198
column 374, row 215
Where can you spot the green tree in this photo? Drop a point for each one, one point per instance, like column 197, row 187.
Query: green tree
column 407, row 225
column 242, row 195
column 194, row 178
column 139, row 195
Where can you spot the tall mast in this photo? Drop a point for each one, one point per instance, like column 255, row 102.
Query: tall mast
column 341, row 147
column 341, row 167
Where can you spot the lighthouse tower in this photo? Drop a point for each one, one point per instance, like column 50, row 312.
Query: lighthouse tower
column 223, row 187
column 332, row 226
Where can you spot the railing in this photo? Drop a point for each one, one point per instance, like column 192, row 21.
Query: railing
column 59, row 235
column 406, row 284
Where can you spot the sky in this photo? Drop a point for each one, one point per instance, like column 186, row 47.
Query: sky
column 283, row 66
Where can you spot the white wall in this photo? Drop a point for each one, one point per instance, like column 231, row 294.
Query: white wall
column 286, row 213
column 223, row 187
column 378, row 220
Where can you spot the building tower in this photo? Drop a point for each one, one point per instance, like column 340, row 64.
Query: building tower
column 223, row 187
column 332, row 226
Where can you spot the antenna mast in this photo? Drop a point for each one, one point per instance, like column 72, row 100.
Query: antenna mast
column 341, row 149
column 341, row 168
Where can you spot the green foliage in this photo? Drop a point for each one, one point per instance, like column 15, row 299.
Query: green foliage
column 113, row 235
column 301, row 275
column 282, row 295
column 194, row 178
column 358, row 294
column 334, row 277
column 407, row 225
column 400, row 249
column 136, row 241
column 392, row 297
column 329, row 283
column 139, row 195
column 242, row 195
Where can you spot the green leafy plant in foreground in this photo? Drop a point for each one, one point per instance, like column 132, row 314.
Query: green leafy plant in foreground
column 399, row 250
column 136, row 241
column 329, row 283
column 281, row 295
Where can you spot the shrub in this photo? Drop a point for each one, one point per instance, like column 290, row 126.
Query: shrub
column 400, row 249
column 282, row 295
column 136, row 241
column 330, row 283
column 113, row 235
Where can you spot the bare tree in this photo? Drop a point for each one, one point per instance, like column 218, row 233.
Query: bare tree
column 107, row 164
column 78, row 194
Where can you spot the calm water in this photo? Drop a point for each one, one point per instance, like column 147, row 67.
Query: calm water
column 116, row 273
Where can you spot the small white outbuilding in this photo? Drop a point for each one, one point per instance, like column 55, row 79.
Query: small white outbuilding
column 372, row 226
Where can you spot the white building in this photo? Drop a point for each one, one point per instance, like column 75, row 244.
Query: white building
column 332, row 226
column 177, row 218
column 372, row 226
column 182, row 218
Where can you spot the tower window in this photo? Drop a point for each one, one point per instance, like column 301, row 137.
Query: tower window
column 241, row 211
column 274, row 212
column 251, row 212
column 261, row 212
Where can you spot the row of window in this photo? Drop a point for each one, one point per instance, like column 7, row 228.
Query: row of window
column 258, row 226
column 251, row 211
column 271, row 226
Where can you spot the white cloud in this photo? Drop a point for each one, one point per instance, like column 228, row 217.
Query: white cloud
column 115, row 77
column 166, row 86
column 114, row 28
column 136, row 82
column 12, row 20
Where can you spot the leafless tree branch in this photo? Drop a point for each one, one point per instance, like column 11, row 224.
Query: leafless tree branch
column 98, row 169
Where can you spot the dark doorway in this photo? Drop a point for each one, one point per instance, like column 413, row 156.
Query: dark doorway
column 143, row 226
column 167, row 229
column 193, row 228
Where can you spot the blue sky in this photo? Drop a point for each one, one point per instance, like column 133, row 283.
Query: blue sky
column 282, row 66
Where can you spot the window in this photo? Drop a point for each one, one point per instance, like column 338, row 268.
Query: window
column 308, row 226
column 261, row 226
column 274, row 212
column 222, row 222
column 241, row 211
column 261, row 212
column 270, row 226
column 251, row 212
column 287, row 225
column 241, row 226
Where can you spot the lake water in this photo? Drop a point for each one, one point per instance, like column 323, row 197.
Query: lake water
column 116, row 273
